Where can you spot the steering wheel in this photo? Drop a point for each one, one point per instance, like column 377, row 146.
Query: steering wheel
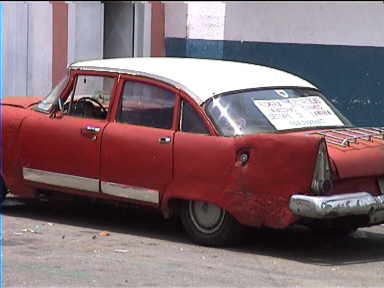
column 79, row 102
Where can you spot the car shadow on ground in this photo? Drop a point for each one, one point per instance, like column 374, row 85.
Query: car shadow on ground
column 301, row 245
column 296, row 244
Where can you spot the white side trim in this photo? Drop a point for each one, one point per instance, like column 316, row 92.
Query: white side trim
column 136, row 193
column 61, row 180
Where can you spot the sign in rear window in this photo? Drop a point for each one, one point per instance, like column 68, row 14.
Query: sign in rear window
column 291, row 113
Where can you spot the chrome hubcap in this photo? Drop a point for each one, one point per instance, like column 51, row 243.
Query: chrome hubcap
column 207, row 217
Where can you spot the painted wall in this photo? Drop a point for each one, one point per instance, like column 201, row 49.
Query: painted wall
column 85, row 30
column 35, row 58
column 337, row 46
column 335, row 23
column 28, row 51
column 39, row 60
column 27, row 63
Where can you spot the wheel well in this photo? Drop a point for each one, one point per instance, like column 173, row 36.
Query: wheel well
column 3, row 189
column 2, row 182
column 175, row 204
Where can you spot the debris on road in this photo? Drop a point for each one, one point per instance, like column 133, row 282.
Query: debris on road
column 104, row 233
column 121, row 250
column 30, row 230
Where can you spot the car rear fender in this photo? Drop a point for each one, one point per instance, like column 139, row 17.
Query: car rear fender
column 207, row 168
column 279, row 166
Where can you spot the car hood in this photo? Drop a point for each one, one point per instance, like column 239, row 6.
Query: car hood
column 22, row 102
column 355, row 152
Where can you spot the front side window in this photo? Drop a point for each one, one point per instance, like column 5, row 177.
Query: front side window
column 272, row 110
column 90, row 97
column 51, row 100
column 143, row 104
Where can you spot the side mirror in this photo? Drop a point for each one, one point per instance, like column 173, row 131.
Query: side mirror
column 56, row 115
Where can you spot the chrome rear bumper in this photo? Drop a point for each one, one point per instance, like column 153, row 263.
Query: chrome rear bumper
column 361, row 203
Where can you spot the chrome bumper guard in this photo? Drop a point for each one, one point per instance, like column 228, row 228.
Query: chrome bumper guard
column 319, row 207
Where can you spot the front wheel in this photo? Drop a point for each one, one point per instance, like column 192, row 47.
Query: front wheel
column 208, row 224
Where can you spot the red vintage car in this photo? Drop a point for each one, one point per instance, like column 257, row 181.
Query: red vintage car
column 220, row 144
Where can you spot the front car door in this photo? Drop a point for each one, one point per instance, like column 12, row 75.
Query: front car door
column 136, row 151
column 63, row 152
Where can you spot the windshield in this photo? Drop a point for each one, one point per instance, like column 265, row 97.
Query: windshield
column 272, row 110
column 51, row 99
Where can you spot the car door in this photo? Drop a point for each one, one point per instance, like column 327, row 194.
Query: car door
column 64, row 151
column 136, row 151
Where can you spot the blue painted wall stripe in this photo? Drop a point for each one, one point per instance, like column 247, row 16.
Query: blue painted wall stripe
column 352, row 77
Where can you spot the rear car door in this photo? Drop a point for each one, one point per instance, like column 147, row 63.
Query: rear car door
column 136, row 151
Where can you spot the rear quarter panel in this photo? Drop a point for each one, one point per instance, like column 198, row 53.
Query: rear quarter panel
column 207, row 168
column 279, row 166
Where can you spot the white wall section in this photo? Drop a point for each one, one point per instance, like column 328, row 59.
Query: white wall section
column 39, row 48
column 355, row 23
column 142, row 29
column 85, row 30
column 15, row 48
column 175, row 19
column 206, row 20
column 28, row 48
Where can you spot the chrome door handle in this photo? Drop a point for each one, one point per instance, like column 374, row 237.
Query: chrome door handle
column 92, row 129
column 90, row 132
column 165, row 140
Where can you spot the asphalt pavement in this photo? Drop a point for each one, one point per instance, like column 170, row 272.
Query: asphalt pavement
column 71, row 243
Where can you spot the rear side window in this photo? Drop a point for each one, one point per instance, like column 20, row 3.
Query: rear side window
column 146, row 105
column 191, row 121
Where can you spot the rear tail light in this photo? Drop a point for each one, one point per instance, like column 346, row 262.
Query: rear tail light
column 322, row 177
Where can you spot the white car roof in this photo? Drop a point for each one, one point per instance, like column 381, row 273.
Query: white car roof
column 200, row 78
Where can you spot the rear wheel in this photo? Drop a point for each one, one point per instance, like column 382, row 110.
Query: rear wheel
column 208, row 224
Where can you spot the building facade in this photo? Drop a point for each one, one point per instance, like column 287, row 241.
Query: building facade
column 338, row 46
column 42, row 38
